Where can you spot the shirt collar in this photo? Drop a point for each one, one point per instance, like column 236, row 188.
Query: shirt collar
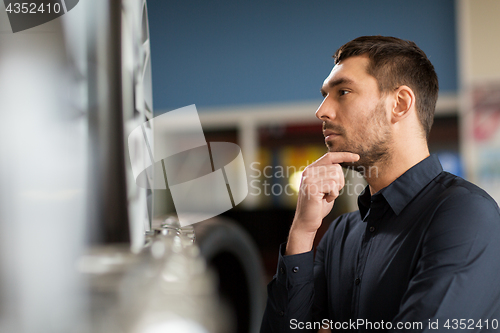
column 401, row 191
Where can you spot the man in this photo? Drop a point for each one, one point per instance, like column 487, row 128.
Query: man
column 422, row 253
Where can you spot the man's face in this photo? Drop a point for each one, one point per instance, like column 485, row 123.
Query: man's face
column 354, row 114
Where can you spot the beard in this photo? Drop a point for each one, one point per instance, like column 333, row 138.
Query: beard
column 370, row 139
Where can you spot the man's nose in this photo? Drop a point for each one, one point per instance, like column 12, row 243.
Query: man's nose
column 325, row 110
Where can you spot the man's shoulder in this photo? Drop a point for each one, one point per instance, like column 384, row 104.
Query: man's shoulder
column 461, row 203
column 455, row 188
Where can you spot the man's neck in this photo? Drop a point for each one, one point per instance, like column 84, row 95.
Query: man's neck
column 383, row 174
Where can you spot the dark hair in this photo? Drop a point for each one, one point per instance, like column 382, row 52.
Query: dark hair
column 395, row 62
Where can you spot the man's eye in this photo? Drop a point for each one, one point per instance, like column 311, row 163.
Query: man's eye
column 343, row 92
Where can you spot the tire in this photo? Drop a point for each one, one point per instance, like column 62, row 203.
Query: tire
column 230, row 251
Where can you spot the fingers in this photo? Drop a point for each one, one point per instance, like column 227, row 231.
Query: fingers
column 321, row 184
column 330, row 197
column 324, row 172
column 321, row 180
column 336, row 158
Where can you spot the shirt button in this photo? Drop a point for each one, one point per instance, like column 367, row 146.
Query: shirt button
column 357, row 281
column 295, row 269
column 282, row 270
column 372, row 229
column 281, row 313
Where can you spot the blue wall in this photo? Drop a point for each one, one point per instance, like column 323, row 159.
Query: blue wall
column 228, row 52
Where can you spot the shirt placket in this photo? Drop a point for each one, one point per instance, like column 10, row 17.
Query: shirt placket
column 373, row 215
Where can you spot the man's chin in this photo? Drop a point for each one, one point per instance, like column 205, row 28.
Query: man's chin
column 333, row 149
column 364, row 169
column 351, row 166
column 348, row 165
column 358, row 166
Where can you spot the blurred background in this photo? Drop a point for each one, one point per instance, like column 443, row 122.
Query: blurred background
column 74, row 228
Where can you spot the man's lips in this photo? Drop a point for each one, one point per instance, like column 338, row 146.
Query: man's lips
column 329, row 134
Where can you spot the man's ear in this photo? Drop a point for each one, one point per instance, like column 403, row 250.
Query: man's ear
column 404, row 101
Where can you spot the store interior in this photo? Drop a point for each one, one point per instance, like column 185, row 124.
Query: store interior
column 85, row 248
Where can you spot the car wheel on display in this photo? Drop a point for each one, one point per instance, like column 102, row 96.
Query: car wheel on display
column 230, row 251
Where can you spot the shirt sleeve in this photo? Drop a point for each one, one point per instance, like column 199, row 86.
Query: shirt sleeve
column 455, row 282
column 289, row 294
column 297, row 294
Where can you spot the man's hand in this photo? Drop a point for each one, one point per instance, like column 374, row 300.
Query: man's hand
column 320, row 186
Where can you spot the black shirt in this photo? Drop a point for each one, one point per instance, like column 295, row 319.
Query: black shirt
column 424, row 251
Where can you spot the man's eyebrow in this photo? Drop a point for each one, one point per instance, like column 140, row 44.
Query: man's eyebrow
column 332, row 84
